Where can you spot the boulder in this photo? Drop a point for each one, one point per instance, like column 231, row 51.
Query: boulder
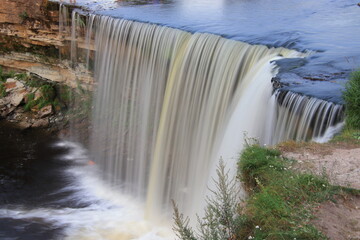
column 24, row 124
column 16, row 98
column 39, row 123
column 45, row 111
column 13, row 85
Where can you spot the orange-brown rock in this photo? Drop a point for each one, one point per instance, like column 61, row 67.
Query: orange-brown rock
column 15, row 11
column 30, row 42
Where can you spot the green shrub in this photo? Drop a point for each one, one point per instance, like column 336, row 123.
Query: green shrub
column 6, row 75
column 10, row 74
column 47, row 92
column 30, row 102
column 24, row 15
column 221, row 219
column 21, row 76
column 1, row 75
column 47, row 97
column 351, row 96
column 3, row 92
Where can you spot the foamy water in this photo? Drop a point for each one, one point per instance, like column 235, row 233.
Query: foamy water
column 107, row 213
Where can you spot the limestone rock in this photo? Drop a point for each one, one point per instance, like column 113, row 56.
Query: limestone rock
column 45, row 111
column 16, row 98
column 14, row 11
column 24, row 124
column 44, row 122
column 13, row 85
column 37, row 94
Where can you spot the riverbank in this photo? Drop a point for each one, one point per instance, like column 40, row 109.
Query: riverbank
column 295, row 191
column 28, row 101
column 339, row 161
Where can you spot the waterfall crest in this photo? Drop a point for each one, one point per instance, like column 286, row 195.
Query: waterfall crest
column 301, row 118
column 168, row 104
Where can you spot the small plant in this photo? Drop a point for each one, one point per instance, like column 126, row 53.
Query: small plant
column 47, row 97
column 47, row 92
column 33, row 82
column 279, row 206
column 21, row 76
column 1, row 75
column 24, row 15
column 3, row 92
column 221, row 219
column 351, row 96
column 30, row 103
column 6, row 75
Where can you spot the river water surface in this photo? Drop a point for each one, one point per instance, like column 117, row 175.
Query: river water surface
column 329, row 29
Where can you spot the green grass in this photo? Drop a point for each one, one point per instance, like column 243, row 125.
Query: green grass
column 48, row 95
column 6, row 75
column 280, row 204
column 30, row 102
column 351, row 97
column 2, row 90
column 24, row 15
column 281, row 200
column 348, row 136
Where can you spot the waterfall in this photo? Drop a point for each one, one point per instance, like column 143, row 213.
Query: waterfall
column 168, row 104
column 162, row 103
column 301, row 118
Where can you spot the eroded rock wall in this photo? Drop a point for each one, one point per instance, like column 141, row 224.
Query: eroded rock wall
column 30, row 42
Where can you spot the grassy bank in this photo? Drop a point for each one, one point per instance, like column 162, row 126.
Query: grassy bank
column 280, row 205
column 281, row 200
column 351, row 97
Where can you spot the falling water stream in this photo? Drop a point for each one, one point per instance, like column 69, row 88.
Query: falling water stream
column 168, row 104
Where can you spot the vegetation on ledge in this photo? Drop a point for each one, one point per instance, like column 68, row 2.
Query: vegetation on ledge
column 351, row 96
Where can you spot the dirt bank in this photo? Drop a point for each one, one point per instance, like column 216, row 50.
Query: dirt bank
column 340, row 162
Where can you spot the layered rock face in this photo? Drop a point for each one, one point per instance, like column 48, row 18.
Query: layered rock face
column 11, row 10
column 30, row 41
column 32, row 46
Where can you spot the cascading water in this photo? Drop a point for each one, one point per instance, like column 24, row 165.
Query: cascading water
column 167, row 106
column 162, row 104
column 301, row 118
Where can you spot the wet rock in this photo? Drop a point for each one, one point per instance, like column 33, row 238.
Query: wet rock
column 5, row 111
column 276, row 82
column 45, row 111
column 40, row 123
column 19, row 110
column 24, row 124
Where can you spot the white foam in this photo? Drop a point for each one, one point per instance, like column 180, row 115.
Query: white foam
column 330, row 133
column 108, row 215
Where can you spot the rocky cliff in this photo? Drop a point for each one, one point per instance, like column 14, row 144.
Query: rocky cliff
column 36, row 69
column 30, row 42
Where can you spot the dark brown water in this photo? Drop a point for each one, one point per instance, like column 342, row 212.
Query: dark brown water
column 31, row 176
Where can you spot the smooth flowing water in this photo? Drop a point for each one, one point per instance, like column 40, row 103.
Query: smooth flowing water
column 168, row 104
column 162, row 102
column 301, row 118
column 327, row 28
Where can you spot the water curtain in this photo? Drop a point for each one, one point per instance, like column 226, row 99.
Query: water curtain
column 168, row 104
